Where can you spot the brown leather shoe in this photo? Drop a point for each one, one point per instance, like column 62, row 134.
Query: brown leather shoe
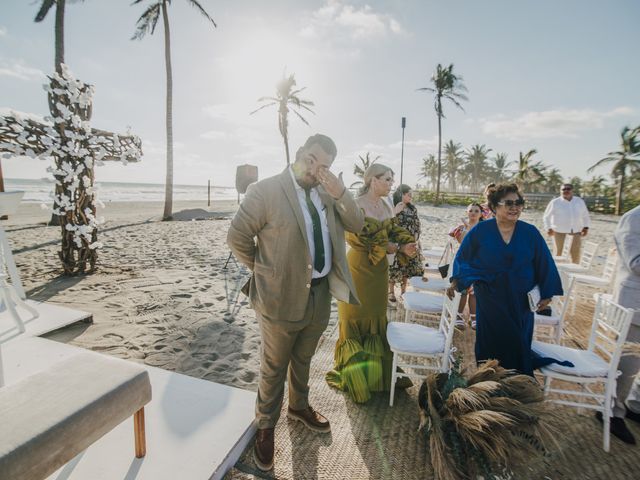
column 263, row 449
column 312, row 419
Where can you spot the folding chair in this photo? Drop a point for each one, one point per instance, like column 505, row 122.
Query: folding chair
column 411, row 342
column 587, row 285
column 595, row 366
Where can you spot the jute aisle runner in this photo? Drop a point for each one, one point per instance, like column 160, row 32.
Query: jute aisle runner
column 375, row 441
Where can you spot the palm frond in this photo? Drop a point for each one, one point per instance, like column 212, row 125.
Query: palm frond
column 199, row 7
column 147, row 21
column 263, row 106
column 300, row 117
column 44, row 9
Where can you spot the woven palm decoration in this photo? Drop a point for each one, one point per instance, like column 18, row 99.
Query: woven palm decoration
column 489, row 422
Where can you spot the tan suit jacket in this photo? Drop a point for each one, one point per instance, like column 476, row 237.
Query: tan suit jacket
column 268, row 235
column 627, row 285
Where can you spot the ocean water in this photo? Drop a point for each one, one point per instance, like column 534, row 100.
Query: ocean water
column 41, row 191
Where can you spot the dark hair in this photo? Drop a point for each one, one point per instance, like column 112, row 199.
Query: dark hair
column 325, row 143
column 476, row 204
column 489, row 187
column 497, row 193
column 567, row 185
column 400, row 191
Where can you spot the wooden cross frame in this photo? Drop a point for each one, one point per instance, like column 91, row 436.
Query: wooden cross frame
column 75, row 148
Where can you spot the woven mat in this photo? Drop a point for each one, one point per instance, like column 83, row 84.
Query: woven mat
column 375, row 441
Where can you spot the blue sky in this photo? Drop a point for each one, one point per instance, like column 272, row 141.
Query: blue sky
column 558, row 76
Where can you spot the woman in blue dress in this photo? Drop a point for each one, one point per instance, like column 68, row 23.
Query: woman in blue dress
column 504, row 258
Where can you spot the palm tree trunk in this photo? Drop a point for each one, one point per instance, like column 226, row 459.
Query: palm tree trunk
column 437, row 202
column 285, row 138
column 168, row 188
column 59, row 33
column 620, row 194
column 59, row 60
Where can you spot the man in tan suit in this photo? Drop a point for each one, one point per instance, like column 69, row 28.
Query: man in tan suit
column 289, row 231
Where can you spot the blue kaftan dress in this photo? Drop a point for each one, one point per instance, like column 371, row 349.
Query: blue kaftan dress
column 502, row 274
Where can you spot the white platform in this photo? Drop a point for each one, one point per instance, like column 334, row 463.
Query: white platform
column 195, row 429
column 52, row 317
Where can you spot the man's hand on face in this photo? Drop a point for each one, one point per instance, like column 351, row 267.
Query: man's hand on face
column 332, row 184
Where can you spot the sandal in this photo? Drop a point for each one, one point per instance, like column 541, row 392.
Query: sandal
column 472, row 317
column 459, row 321
column 392, row 297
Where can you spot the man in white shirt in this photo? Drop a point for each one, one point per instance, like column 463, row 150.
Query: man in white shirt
column 567, row 215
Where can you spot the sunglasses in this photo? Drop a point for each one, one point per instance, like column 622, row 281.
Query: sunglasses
column 512, row 203
column 567, row 189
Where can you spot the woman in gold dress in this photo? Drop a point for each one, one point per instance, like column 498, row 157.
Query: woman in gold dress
column 362, row 355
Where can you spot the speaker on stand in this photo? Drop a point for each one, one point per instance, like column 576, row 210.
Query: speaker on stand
column 245, row 175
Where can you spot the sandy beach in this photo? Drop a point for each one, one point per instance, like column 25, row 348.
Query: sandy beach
column 161, row 296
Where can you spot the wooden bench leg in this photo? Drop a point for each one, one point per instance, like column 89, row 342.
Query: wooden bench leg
column 138, row 430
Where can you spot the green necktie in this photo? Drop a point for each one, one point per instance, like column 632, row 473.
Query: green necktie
column 318, row 264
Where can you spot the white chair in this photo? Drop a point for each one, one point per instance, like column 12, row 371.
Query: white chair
column 411, row 342
column 595, row 366
column 586, row 260
column 435, row 285
column 550, row 327
column 586, row 285
column 423, row 304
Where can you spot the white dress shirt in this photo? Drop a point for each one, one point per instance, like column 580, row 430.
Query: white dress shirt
column 566, row 216
column 322, row 211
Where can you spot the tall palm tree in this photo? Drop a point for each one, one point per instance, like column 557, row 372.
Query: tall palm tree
column 147, row 24
column 477, row 157
column 528, row 173
column 501, row 167
column 446, row 85
column 430, row 169
column 454, row 160
column 358, row 170
column 627, row 158
column 285, row 96
column 59, row 49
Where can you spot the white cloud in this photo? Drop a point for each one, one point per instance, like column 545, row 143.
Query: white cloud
column 560, row 123
column 3, row 31
column 20, row 71
column 214, row 135
column 337, row 18
column 420, row 143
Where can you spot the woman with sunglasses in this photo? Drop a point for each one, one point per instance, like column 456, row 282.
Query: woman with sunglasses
column 504, row 258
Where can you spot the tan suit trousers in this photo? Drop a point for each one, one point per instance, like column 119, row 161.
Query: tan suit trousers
column 290, row 345
column 576, row 242
column 629, row 366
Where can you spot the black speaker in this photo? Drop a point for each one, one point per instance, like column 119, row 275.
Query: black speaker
column 245, row 176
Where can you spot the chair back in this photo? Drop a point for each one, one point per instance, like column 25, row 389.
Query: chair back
column 610, row 265
column 447, row 324
column 609, row 330
column 566, row 248
column 560, row 303
column 588, row 254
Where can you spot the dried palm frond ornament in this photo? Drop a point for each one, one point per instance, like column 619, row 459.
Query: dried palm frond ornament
column 489, row 422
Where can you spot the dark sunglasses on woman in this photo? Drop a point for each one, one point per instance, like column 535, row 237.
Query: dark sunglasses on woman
column 512, row 203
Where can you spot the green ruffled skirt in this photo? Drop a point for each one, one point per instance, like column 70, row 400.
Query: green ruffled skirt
column 362, row 356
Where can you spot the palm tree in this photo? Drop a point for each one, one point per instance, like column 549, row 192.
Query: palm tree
column 528, row 173
column 552, row 180
column 358, row 170
column 147, row 24
column 628, row 157
column 477, row 165
column 430, row 169
column 454, row 158
column 500, row 167
column 59, row 50
column 449, row 86
column 595, row 186
column 285, row 96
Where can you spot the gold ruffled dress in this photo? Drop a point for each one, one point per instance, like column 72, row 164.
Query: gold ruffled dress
column 362, row 356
